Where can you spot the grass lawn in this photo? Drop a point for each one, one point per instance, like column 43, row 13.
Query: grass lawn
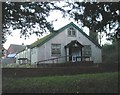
column 81, row 83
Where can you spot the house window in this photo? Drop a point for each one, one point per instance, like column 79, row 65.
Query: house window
column 87, row 50
column 56, row 49
column 71, row 32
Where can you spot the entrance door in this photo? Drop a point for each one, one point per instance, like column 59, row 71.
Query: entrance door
column 74, row 50
column 76, row 53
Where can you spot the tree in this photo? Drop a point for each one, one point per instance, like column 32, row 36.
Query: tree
column 97, row 16
column 109, row 53
column 27, row 16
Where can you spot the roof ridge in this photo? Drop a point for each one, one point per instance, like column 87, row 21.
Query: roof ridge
column 96, row 43
column 52, row 34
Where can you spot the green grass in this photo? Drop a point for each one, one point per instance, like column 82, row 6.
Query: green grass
column 81, row 83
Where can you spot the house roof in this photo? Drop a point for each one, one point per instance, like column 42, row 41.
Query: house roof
column 13, row 48
column 28, row 46
column 51, row 35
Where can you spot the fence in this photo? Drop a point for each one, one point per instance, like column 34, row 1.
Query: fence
column 8, row 60
column 65, row 70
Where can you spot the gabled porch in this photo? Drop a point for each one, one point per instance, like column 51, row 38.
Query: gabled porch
column 75, row 53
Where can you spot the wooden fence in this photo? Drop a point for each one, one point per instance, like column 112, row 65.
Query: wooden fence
column 59, row 70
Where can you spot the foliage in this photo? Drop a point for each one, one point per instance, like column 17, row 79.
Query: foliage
column 97, row 16
column 110, row 53
column 27, row 16
column 84, row 83
column 14, row 65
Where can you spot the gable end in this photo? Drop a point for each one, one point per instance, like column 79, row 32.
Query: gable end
column 50, row 36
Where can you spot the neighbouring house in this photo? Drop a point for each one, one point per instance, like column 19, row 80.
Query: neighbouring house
column 13, row 49
column 1, row 51
column 69, row 43
column 1, row 54
column 10, row 54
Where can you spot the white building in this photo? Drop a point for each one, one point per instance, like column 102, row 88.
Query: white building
column 24, row 56
column 69, row 43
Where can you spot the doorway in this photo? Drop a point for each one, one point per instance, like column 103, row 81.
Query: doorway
column 75, row 54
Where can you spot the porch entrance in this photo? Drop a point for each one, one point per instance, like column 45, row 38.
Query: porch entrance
column 74, row 51
column 75, row 54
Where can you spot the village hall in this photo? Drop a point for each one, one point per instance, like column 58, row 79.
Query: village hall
column 67, row 44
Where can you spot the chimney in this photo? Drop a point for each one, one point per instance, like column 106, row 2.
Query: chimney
column 23, row 44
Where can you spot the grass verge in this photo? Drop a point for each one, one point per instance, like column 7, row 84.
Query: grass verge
column 81, row 83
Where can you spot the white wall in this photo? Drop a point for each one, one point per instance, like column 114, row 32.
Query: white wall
column 44, row 51
column 28, row 54
column 96, row 52
column 34, row 52
column 23, row 54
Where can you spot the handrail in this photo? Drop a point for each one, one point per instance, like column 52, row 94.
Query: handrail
column 53, row 58
column 63, row 57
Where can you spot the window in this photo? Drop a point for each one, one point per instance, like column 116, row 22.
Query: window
column 87, row 50
column 56, row 49
column 71, row 32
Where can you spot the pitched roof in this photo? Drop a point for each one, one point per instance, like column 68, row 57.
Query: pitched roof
column 13, row 48
column 51, row 35
column 27, row 46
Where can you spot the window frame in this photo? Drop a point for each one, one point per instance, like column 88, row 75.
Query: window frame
column 87, row 51
column 71, row 32
column 55, row 50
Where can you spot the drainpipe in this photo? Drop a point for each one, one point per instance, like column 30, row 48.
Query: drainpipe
column 30, row 56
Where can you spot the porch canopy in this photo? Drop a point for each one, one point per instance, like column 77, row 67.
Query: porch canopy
column 74, row 43
column 74, row 51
